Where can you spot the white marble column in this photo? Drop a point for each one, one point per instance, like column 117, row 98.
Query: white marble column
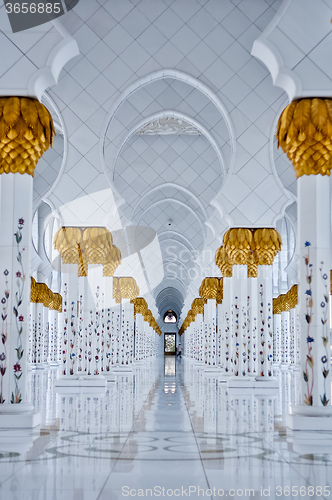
column 314, row 221
column 139, row 332
column 70, row 297
column 284, row 329
column 239, row 299
column 252, row 326
column 265, row 324
column 210, row 322
column 15, row 230
column 277, row 329
column 227, row 297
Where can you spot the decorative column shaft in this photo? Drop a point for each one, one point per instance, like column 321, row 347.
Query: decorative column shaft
column 267, row 245
column 26, row 132
column 305, row 134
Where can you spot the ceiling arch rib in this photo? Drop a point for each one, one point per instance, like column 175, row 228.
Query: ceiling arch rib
column 165, row 189
column 174, row 114
column 178, row 76
column 176, row 202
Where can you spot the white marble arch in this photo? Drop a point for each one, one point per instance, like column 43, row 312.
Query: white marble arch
column 298, row 23
column 35, row 84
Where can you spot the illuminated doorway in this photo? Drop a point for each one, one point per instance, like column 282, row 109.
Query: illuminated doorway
column 169, row 343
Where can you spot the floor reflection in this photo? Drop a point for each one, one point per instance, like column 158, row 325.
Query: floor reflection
column 167, row 424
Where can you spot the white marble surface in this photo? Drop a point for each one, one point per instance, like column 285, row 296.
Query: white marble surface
column 166, row 425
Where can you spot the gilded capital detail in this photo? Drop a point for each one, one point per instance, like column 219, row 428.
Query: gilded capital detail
column 125, row 288
column 26, row 132
column 304, row 133
column 92, row 245
column 250, row 247
column 212, row 288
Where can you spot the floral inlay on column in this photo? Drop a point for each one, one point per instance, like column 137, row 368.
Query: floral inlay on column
column 309, row 377
column 325, row 337
column 4, row 334
column 236, row 333
column 97, row 335
column 16, row 397
column 72, row 340
column 80, row 334
column 65, row 333
column 269, row 339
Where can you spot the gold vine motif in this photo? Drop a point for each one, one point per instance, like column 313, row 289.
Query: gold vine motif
column 304, row 133
column 41, row 294
column 92, row 245
column 26, row 132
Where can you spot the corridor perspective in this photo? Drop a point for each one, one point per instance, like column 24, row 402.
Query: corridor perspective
column 167, row 425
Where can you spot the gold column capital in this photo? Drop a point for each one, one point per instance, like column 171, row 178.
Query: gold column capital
column 212, row 288
column 221, row 260
column 125, row 288
column 41, row 294
column 140, row 305
column 286, row 301
column 304, row 133
column 197, row 306
column 84, row 246
column 267, row 243
column 238, row 243
column 26, row 132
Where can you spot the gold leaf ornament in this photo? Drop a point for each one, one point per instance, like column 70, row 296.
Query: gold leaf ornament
column 304, row 133
column 26, row 132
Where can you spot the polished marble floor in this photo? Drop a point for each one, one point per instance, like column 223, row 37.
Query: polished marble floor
column 167, row 429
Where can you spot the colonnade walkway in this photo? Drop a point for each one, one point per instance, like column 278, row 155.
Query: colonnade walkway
column 166, row 429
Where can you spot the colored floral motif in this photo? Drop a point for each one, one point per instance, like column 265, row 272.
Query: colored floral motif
column 108, row 340
column 80, row 335
column 262, row 330
column 325, row 337
column 308, row 373
column 227, row 341
column 65, row 330
column 269, row 340
column 237, row 328
column 254, row 354
column 244, row 340
column 72, row 339
column 249, row 333
column 102, row 331
column 16, row 397
column 4, row 335
column 90, row 335
column 97, row 335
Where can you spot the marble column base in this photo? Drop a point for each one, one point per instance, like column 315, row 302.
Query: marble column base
column 266, row 382
column 19, row 416
column 309, row 418
column 122, row 368
column 225, row 376
column 109, row 376
column 212, row 369
column 239, row 382
column 80, row 381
